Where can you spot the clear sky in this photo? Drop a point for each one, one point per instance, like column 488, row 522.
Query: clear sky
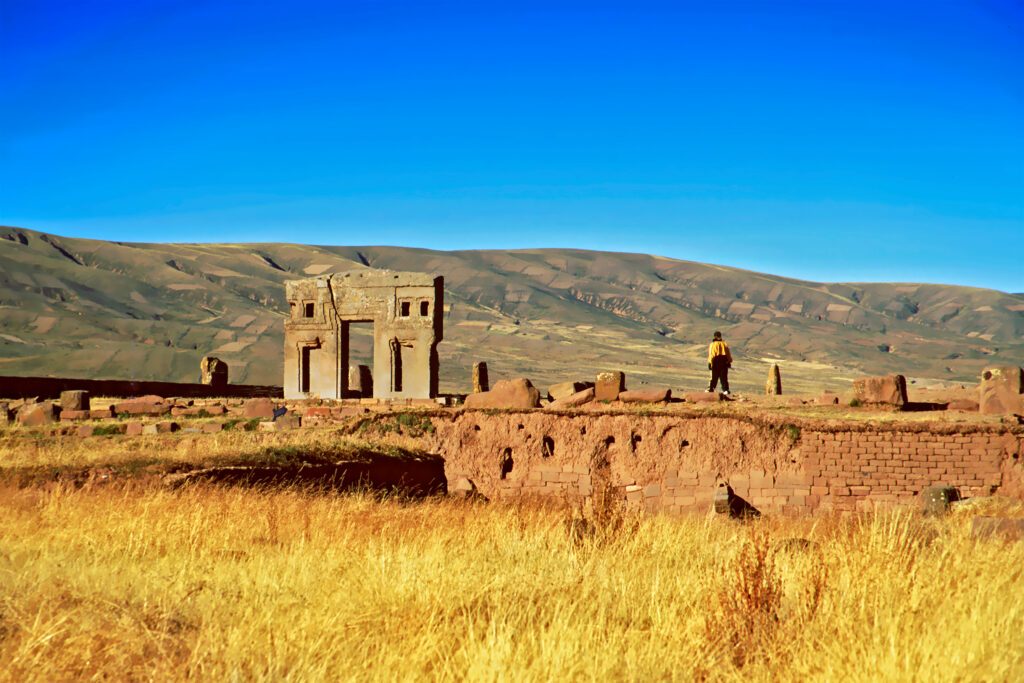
column 832, row 141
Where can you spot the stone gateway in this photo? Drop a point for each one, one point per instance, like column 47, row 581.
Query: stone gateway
column 406, row 311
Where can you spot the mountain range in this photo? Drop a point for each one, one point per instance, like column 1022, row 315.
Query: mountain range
column 73, row 307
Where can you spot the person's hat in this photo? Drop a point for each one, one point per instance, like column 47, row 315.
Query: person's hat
column 718, row 336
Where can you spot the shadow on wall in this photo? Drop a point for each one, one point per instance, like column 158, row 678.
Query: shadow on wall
column 414, row 477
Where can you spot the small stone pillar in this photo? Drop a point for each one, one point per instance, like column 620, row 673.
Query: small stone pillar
column 774, row 385
column 480, row 380
column 74, row 400
column 214, row 372
column 360, row 380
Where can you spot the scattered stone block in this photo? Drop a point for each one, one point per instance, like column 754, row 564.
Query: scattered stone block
column 101, row 413
column 609, row 385
column 5, row 413
column 703, row 397
column 1000, row 390
column 360, row 381
column 577, row 399
column 512, row 394
column 891, row 389
column 565, row 389
column 212, row 427
column 645, row 396
column 481, row 383
column 74, row 400
column 259, row 407
column 773, row 387
column 142, row 408
column 998, row 527
column 827, row 399
column 83, row 431
column 963, row 404
column 134, row 428
column 935, row 500
column 36, row 414
column 721, row 499
column 213, row 372
column 72, row 415
column 165, row 427
column 318, row 412
column 281, row 424
column 465, row 489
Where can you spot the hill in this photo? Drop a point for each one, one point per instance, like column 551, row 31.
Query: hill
column 90, row 308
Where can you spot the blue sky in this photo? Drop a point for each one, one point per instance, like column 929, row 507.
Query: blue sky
column 831, row 141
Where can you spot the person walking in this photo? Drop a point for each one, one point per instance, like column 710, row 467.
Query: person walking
column 719, row 362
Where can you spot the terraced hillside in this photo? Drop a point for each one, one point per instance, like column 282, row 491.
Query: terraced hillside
column 89, row 308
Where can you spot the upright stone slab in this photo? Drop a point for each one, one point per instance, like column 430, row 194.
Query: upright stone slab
column 773, row 387
column 480, row 380
column 891, row 389
column 1000, row 390
column 74, row 400
column 213, row 372
column 5, row 413
column 609, row 385
column 360, row 381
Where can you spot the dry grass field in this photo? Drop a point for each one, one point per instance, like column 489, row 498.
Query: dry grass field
column 134, row 582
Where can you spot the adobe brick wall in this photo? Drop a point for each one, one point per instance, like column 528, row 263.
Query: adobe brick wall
column 672, row 463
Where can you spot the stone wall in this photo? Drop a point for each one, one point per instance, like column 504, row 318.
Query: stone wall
column 51, row 388
column 673, row 463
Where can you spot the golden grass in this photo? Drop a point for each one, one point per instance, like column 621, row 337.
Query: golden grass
column 215, row 583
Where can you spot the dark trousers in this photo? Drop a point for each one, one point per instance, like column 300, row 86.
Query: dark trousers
column 719, row 371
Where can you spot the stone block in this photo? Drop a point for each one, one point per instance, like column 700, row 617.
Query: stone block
column 935, row 500
column 149, row 429
column 890, row 389
column 259, row 407
column 83, row 431
column 360, row 381
column 645, row 396
column 1000, row 390
column 71, row 415
column 998, row 527
column 609, row 385
column 512, row 394
column 703, row 397
column 102, row 413
column 827, row 399
column 577, row 399
column 142, row 408
column 963, row 404
column 5, row 413
column 133, row 428
column 212, row 427
column 74, row 400
column 564, row 390
column 36, row 414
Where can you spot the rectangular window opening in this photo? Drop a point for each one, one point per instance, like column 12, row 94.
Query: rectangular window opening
column 309, row 307
column 405, row 309
column 424, row 309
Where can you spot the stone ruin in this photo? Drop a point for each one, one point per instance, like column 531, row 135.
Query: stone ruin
column 406, row 311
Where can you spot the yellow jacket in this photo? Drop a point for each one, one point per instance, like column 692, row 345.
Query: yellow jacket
column 719, row 348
